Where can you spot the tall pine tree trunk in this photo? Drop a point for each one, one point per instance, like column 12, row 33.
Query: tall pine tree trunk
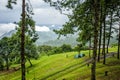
column 100, row 34
column 110, row 30
column 118, row 54
column 104, row 54
column 90, row 47
column 23, row 41
column 96, row 25
column 104, row 42
column 118, row 14
column 104, row 26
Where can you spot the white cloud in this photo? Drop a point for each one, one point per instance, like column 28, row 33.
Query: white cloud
column 10, row 26
column 44, row 14
column 43, row 28
column 49, row 16
column 6, row 27
column 52, row 25
column 39, row 4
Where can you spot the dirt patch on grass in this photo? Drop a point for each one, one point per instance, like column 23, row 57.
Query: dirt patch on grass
column 11, row 70
column 113, row 63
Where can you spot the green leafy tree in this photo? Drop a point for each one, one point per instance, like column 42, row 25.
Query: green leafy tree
column 10, row 2
column 5, row 50
column 25, row 23
column 30, row 50
column 78, row 48
column 1, row 63
column 44, row 49
column 66, row 48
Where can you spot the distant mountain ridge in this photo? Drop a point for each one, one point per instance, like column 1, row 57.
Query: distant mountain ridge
column 58, row 42
column 7, row 34
column 49, row 37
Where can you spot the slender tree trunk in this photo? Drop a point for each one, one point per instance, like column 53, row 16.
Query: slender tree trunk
column 7, row 63
column 2, row 67
column 23, row 41
column 29, row 62
column 118, row 55
column 104, row 54
column 100, row 35
column 96, row 25
column 104, row 28
column 110, row 30
column 90, row 48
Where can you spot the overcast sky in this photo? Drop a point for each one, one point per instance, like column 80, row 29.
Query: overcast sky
column 44, row 14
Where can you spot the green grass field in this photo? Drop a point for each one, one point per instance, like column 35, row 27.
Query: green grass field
column 59, row 67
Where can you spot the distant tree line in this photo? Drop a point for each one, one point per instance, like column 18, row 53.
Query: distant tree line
column 50, row 50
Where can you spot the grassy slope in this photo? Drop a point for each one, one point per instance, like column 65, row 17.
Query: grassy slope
column 59, row 67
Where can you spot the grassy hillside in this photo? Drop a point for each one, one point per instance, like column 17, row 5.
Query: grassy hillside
column 59, row 67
